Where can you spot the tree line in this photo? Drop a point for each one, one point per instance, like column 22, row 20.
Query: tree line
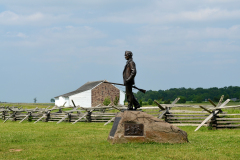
column 190, row 94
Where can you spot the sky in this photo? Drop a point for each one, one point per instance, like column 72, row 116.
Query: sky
column 49, row 48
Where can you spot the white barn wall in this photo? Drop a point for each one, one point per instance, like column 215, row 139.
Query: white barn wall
column 61, row 100
column 122, row 97
column 83, row 99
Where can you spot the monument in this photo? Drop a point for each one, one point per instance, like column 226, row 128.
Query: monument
column 136, row 126
column 129, row 74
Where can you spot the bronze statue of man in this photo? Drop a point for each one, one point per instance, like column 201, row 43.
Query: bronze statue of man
column 129, row 74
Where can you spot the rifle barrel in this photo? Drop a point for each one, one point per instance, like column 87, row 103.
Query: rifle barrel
column 141, row 90
column 114, row 83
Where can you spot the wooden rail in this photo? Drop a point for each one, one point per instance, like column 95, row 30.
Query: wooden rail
column 186, row 117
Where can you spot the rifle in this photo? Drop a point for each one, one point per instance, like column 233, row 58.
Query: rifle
column 141, row 90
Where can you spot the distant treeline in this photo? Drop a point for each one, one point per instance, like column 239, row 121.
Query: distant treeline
column 190, row 94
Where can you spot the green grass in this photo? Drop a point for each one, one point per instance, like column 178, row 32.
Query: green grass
column 89, row 141
column 28, row 105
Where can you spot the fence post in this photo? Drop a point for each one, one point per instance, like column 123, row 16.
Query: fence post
column 60, row 110
column 47, row 117
column 14, row 117
column 30, row 117
column 166, row 118
column 103, row 111
column 89, row 118
column 165, row 114
column 213, row 123
column 69, row 117
column 4, row 115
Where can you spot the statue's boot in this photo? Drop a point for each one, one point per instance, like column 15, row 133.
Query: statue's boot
column 130, row 107
column 136, row 107
column 135, row 103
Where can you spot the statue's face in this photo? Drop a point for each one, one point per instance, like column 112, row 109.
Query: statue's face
column 126, row 57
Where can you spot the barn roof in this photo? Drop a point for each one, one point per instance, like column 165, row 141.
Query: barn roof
column 85, row 87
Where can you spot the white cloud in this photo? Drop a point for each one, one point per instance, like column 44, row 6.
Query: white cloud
column 8, row 17
column 209, row 14
column 58, row 39
column 154, row 12
column 156, row 34
column 35, row 17
column 118, row 42
column 213, row 33
column 220, row 1
column 21, row 35
column 38, row 18
column 158, row 17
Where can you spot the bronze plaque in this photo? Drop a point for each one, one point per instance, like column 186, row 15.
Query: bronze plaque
column 132, row 129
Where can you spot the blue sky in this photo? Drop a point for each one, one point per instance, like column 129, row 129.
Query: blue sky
column 53, row 47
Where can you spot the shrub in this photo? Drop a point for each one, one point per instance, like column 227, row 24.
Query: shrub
column 106, row 101
column 167, row 101
column 216, row 99
column 144, row 103
column 182, row 99
column 140, row 102
column 199, row 99
column 116, row 100
column 150, row 101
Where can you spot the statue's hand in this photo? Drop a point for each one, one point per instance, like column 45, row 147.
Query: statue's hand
column 130, row 78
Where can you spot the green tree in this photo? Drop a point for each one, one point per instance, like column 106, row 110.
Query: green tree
column 116, row 100
column 199, row 99
column 150, row 101
column 35, row 99
column 52, row 100
column 226, row 97
column 182, row 99
column 216, row 99
column 140, row 102
column 190, row 94
column 107, row 101
column 167, row 101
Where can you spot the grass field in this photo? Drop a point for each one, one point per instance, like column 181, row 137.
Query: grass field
column 28, row 105
column 88, row 141
column 44, row 105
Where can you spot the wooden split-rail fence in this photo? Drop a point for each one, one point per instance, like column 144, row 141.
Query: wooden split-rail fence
column 56, row 114
column 176, row 114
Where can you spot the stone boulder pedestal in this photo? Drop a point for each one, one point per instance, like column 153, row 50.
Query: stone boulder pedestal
column 137, row 126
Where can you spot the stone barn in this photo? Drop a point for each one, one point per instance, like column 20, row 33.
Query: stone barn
column 91, row 94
